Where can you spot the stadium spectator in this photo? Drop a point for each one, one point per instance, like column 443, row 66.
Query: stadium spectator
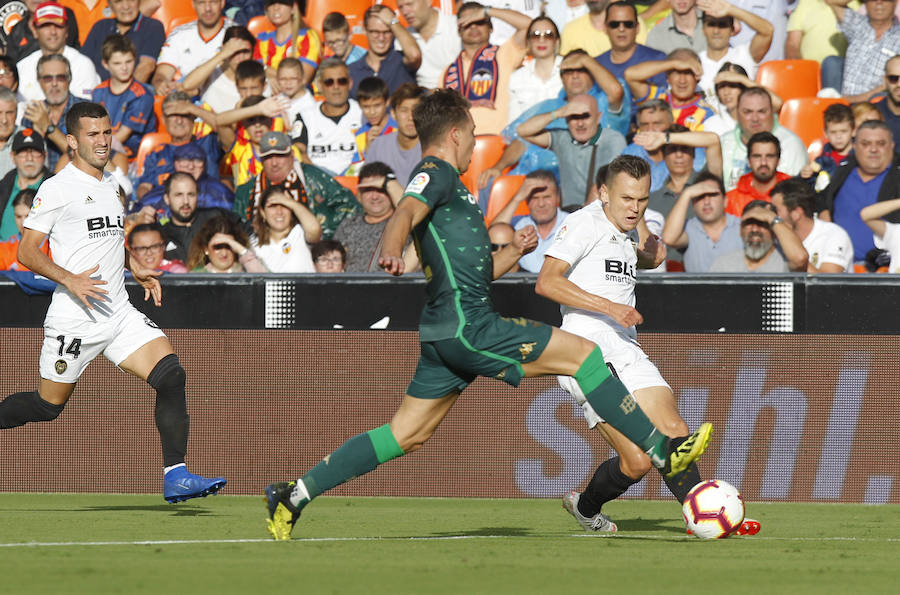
column 382, row 60
column 839, row 132
column 216, row 79
column 677, row 147
column 291, row 37
column 221, row 246
column 145, row 32
column 541, row 193
column 186, row 218
column 28, row 153
column 190, row 45
column 589, row 31
column 188, row 158
column 86, row 14
column 400, row 150
column 564, row 13
column 682, row 28
column 756, row 114
column 22, row 38
column 50, row 26
column 9, row 250
column 327, row 136
column 872, row 38
column 290, row 81
column 437, row 38
column 890, row 106
column 336, row 34
column 622, row 26
column 9, row 74
column 374, row 102
column 128, row 101
column 871, row 175
column 327, row 199
column 863, row 111
column 243, row 159
column 537, row 79
column 729, row 82
column 581, row 148
column 712, row 233
column 379, row 193
column 146, row 242
column 178, row 115
column 887, row 232
column 8, row 110
column 720, row 25
column 827, row 244
column 769, row 244
column 329, row 256
column 502, row 31
column 683, row 72
column 481, row 71
column 501, row 236
column 763, row 154
column 772, row 11
column 282, row 230
column 812, row 34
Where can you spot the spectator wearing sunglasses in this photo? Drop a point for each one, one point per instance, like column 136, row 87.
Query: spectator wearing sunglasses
column 383, row 60
column 719, row 20
column 682, row 28
column 538, row 79
column 481, row 72
column 589, row 31
column 890, row 107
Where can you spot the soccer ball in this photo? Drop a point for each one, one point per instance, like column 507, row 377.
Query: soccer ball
column 713, row 509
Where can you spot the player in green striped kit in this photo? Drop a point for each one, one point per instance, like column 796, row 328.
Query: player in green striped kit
column 461, row 336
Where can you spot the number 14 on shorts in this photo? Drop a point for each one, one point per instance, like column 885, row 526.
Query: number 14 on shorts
column 74, row 348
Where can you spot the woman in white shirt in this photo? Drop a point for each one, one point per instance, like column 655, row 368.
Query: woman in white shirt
column 537, row 79
column 282, row 229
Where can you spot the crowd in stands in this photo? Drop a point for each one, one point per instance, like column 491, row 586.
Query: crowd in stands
column 278, row 135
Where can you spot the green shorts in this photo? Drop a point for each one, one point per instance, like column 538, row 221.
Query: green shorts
column 489, row 346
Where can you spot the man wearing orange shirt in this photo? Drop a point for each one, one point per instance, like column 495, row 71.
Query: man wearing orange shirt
column 87, row 12
column 763, row 154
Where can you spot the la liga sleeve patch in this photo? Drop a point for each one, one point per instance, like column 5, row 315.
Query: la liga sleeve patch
column 418, row 183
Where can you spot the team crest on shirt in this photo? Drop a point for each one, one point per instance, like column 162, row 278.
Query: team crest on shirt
column 60, row 365
column 417, row 184
column 561, row 233
column 286, row 248
column 35, row 204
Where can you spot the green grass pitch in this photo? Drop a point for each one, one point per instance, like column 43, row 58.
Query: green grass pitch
column 94, row 543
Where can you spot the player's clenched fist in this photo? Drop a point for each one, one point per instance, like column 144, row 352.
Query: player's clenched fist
column 525, row 240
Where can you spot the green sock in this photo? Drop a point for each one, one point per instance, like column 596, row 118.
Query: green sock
column 611, row 400
column 357, row 456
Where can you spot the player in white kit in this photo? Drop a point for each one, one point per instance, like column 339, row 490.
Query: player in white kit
column 590, row 269
column 83, row 213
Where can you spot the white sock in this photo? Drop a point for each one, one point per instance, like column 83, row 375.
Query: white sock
column 299, row 494
column 167, row 469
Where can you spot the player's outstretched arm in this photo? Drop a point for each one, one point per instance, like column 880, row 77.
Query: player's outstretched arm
column 524, row 241
column 410, row 212
column 553, row 284
column 872, row 215
column 81, row 285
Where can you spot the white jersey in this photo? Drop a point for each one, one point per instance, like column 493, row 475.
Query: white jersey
column 828, row 242
column 331, row 145
column 290, row 255
column 603, row 262
column 438, row 52
column 891, row 242
column 186, row 49
column 85, row 220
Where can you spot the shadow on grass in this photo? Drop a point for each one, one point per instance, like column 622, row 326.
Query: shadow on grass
column 487, row 532
column 175, row 509
column 657, row 525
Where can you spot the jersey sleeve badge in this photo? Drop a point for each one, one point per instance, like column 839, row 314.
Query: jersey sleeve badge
column 418, row 183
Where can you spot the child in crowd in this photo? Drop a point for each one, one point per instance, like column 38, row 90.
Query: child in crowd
column 336, row 30
column 290, row 80
column 129, row 102
column 373, row 98
column 329, row 256
column 839, row 132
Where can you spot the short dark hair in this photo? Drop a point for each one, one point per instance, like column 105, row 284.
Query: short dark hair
column 631, row 165
column 469, row 6
column 758, row 203
column 679, row 128
column 239, row 32
column 706, row 17
column 544, row 175
column 178, row 175
column 335, row 21
column 323, row 247
column 439, row 112
column 144, row 228
column 764, row 137
column 707, row 175
column 874, row 125
column 83, row 109
column 249, row 69
column 406, row 91
column 117, row 42
column 576, row 52
column 795, row 192
column 837, row 113
column 372, row 87
column 620, row 4
column 290, row 62
column 758, row 91
column 25, row 197
column 374, row 169
column 10, row 65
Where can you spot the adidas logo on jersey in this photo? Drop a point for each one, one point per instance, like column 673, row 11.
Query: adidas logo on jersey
column 88, row 200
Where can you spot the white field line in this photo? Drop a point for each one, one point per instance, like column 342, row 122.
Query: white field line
column 59, row 544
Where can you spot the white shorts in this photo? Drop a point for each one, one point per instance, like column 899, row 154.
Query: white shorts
column 70, row 345
column 628, row 362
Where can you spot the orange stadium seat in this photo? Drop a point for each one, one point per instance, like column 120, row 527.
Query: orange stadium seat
column 259, row 25
column 803, row 116
column 790, row 78
column 171, row 11
column 150, row 141
column 348, row 182
column 504, row 188
column 354, row 10
column 488, row 148
column 157, row 109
